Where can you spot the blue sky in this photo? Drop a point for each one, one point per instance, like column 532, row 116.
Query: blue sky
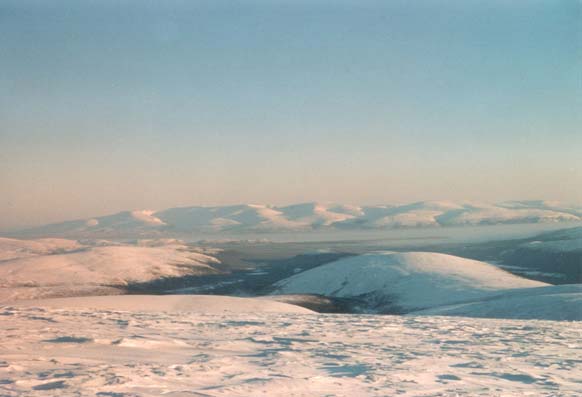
column 109, row 105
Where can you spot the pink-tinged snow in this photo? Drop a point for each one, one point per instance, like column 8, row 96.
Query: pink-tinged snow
column 88, row 352
column 169, row 303
column 147, row 216
column 319, row 214
column 407, row 281
column 496, row 214
column 246, row 216
column 314, row 215
column 418, row 218
column 96, row 270
column 15, row 248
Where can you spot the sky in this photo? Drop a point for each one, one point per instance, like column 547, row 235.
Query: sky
column 115, row 105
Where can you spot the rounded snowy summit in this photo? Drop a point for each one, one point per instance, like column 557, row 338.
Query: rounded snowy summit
column 393, row 282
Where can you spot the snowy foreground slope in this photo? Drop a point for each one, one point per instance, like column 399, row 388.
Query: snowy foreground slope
column 45, row 268
column 71, row 352
column 312, row 216
column 168, row 303
column 392, row 282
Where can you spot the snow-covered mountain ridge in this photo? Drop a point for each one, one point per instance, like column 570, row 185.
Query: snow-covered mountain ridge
column 316, row 216
column 33, row 269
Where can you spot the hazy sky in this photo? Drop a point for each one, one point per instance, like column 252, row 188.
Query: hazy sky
column 112, row 105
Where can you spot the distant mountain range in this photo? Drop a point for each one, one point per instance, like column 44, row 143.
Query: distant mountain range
column 314, row 216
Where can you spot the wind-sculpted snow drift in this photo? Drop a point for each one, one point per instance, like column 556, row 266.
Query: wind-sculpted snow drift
column 103, row 352
column 313, row 216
